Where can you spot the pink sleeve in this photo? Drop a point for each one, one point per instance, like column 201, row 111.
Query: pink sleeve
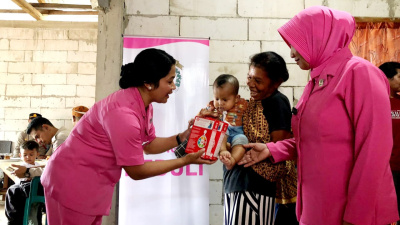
column 123, row 130
column 283, row 150
column 152, row 134
column 368, row 106
column 152, row 131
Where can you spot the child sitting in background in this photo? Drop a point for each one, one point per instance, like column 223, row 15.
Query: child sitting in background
column 18, row 193
column 29, row 153
column 228, row 103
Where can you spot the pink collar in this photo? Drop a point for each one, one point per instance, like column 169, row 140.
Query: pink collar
column 136, row 95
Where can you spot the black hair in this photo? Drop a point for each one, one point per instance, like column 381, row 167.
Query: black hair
column 390, row 68
column 149, row 66
column 37, row 123
column 227, row 79
column 30, row 145
column 273, row 64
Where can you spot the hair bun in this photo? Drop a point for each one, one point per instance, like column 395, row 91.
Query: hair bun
column 149, row 66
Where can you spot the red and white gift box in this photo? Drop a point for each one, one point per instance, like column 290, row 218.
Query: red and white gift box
column 207, row 133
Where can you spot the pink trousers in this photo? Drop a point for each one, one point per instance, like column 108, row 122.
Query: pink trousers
column 57, row 214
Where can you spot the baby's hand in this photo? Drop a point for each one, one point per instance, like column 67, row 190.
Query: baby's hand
column 227, row 159
column 224, row 154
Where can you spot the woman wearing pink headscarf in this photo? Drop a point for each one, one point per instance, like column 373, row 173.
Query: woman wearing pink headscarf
column 341, row 124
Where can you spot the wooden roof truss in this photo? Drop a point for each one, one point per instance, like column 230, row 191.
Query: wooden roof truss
column 39, row 10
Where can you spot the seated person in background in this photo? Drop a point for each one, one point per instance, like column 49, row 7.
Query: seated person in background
column 77, row 113
column 18, row 193
column 227, row 101
column 29, row 153
column 392, row 72
column 23, row 137
column 44, row 132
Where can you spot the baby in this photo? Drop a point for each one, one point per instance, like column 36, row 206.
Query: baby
column 228, row 103
column 28, row 154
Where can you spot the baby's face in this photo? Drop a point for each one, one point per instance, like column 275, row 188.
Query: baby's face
column 29, row 156
column 224, row 98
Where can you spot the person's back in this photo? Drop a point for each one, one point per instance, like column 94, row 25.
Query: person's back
column 59, row 137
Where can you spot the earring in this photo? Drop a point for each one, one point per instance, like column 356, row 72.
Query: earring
column 149, row 88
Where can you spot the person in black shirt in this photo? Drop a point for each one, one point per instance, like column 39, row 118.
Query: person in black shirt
column 251, row 193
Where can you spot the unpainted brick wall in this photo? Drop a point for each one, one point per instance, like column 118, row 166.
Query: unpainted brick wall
column 47, row 70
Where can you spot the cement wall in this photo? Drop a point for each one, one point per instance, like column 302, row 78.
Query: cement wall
column 45, row 67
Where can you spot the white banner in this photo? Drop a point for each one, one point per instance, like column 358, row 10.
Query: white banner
column 179, row 197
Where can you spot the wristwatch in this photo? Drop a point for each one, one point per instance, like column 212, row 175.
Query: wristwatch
column 27, row 174
column 178, row 140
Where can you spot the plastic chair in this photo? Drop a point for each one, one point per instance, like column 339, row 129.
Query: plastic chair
column 33, row 198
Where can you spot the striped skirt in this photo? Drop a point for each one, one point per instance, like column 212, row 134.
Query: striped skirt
column 248, row 208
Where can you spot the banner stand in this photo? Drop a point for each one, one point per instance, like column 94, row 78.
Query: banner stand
column 179, row 197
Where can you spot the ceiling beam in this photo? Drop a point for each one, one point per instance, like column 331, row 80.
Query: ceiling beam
column 20, row 11
column 53, row 12
column 77, row 13
column 12, row 11
column 29, row 9
column 51, row 6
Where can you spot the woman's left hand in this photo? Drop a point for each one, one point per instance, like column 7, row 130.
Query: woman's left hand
column 195, row 158
column 257, row 153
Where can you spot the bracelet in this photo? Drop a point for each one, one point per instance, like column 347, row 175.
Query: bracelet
column 178, row 140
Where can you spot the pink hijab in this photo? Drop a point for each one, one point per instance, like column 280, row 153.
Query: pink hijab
column 317, row 33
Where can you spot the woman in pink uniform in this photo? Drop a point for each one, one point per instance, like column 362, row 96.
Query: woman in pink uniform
column 80, row 176
column 341, row 124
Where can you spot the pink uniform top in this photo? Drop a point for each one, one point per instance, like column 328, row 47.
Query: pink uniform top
column 82, row 173
column 342, row 130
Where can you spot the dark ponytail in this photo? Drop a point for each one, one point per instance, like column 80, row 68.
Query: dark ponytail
column 149, row 66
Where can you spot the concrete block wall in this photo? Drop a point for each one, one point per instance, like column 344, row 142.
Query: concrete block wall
column 237, row 29
column 46, row 68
